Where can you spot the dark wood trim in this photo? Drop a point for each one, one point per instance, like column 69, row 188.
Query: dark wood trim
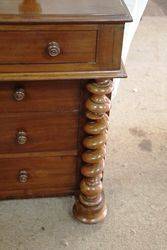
column 39, row 154
column 63, row 75
column 36, row 193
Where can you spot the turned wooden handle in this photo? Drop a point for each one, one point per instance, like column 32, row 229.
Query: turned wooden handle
column 21, row 137
column 23, row 176
column 19, row 94
column 53, row 49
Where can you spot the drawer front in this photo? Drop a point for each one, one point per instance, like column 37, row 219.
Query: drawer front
column 29, row 47
column 77, row 48
column 38, row 132
column 25, row 177
column 40, row 96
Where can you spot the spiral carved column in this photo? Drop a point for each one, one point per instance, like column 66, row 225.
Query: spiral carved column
column 90, row 204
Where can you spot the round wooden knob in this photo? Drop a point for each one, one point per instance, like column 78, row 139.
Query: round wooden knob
column 19, row 94
column 21, row 137
column 23, row 176
column 53, row 49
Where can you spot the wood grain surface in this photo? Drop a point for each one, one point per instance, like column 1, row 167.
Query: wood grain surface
column 47, row 96
column 50, row 175
column 45, row 132
column 63, row 11
column 31, row 46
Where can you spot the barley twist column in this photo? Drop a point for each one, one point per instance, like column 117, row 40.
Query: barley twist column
column 90, row 204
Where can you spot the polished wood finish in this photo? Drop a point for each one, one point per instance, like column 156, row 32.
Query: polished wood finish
column 90, row 205
column 71, row 11
column 43, row 131
column 61, row 153
column 81, row 48
column 48, row 96
column 28, row 47
column 57, row 63
column 29, row 177
column 84, row 74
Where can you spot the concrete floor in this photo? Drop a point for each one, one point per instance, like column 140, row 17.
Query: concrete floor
column 136, row 169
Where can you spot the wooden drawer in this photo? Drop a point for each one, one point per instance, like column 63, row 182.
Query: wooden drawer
column 30, row 177
column 86, row 47
column 39, row 131
column 40, row 96
column 29, row 47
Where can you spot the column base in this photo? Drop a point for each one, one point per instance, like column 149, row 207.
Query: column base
column 89, row 214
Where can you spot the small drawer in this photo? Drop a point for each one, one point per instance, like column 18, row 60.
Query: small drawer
column 39, row 96
column 38, row 132
column 47, row 47
column 37, row 176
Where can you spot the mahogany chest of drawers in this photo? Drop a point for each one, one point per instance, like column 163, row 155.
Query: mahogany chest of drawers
column 57, row 63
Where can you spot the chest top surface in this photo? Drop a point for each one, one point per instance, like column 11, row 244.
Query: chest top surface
column 44, row 11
